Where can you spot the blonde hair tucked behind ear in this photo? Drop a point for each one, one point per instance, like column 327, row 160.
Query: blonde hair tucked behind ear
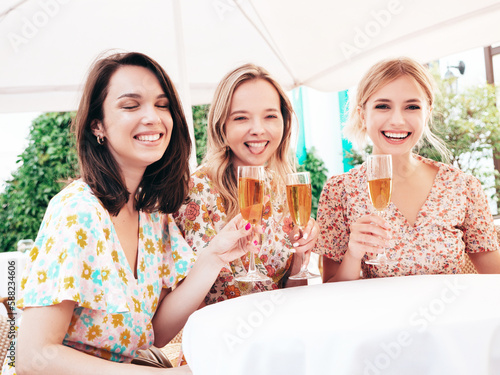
column 377, row 77
column 218, row 160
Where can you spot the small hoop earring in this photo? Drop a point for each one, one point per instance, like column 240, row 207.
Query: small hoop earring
column 100, row 140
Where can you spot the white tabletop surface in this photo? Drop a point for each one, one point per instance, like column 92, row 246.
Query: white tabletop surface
column 438, row 324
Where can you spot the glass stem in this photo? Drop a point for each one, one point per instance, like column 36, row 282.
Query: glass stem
column 251, row 265
column 251, row 258
column 305, row 262
column 383, row 255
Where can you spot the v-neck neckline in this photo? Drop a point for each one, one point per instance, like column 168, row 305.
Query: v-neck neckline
column 427, row 199
column 139, row 257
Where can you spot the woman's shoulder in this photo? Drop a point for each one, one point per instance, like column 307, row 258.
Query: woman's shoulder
column 449, row 173
column 201, row 183
column 77, row 193
column 200, row 173
column 347, row 180
column 75, row 199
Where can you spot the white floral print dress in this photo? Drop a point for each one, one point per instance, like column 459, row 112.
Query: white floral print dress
column 77, row 257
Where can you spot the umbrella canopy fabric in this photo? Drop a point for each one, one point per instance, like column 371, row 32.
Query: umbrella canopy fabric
column 341, row 40
column 47, row 46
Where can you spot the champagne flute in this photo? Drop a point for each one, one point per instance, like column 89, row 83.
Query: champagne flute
column 250, row 200
column 299, row 195
column 379, row 176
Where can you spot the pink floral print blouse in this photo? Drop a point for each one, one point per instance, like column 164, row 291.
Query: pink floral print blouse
column 204, row 216
column 454, row 219
column 77, row 256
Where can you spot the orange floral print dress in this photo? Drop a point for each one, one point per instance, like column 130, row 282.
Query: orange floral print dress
column 204, row 216
column 77, row 257
column 454, row 219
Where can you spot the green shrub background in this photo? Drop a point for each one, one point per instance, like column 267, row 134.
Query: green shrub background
column 47, row 162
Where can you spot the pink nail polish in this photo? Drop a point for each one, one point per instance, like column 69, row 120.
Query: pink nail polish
column 248, row 226
column 255, row 243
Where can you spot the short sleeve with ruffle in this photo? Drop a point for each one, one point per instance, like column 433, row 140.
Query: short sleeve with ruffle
column 73, row 256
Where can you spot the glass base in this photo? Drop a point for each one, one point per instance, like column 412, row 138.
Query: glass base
column 380, row 260
column 303, row 275
column 252, row 277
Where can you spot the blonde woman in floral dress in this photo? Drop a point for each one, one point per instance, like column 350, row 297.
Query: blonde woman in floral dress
column 249, row 123
column 437, row 213
column 99, row 284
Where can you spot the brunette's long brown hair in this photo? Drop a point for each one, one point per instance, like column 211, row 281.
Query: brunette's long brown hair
column 164, row 186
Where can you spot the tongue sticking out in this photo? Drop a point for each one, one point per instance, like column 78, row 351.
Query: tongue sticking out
column 256, row 147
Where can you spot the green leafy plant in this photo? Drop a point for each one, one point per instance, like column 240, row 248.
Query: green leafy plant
column 47, row 161
column 468, row 123
column 200, row 113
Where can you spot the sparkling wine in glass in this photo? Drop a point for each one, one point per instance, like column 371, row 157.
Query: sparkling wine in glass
column 379, row 176
column 250, row 200
column 299, row 195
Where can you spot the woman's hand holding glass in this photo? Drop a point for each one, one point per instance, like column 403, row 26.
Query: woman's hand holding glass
column 379, row 177
column 369, row 234
column 233, row 241
column 298, row 191
column 251, row 201
column 304, row 240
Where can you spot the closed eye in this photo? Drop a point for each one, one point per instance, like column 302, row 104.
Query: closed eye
column 271, row 116
column 162, row 102
column 129, row 104
column 239, row 118
column 382, row 106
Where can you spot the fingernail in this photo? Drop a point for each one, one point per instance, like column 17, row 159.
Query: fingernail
column 296, row 236
column 296, row 244
column 255, row 242
column 305, row 236
column 248, row 226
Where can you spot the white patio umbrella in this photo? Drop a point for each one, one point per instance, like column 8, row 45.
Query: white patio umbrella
column 46, row 46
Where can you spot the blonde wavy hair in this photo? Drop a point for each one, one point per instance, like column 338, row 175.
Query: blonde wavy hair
column 218, row 160
column 377, row 77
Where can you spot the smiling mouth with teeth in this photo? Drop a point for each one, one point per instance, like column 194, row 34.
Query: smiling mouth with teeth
column 256, row 144
column 397, row 136
column 149, row 137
